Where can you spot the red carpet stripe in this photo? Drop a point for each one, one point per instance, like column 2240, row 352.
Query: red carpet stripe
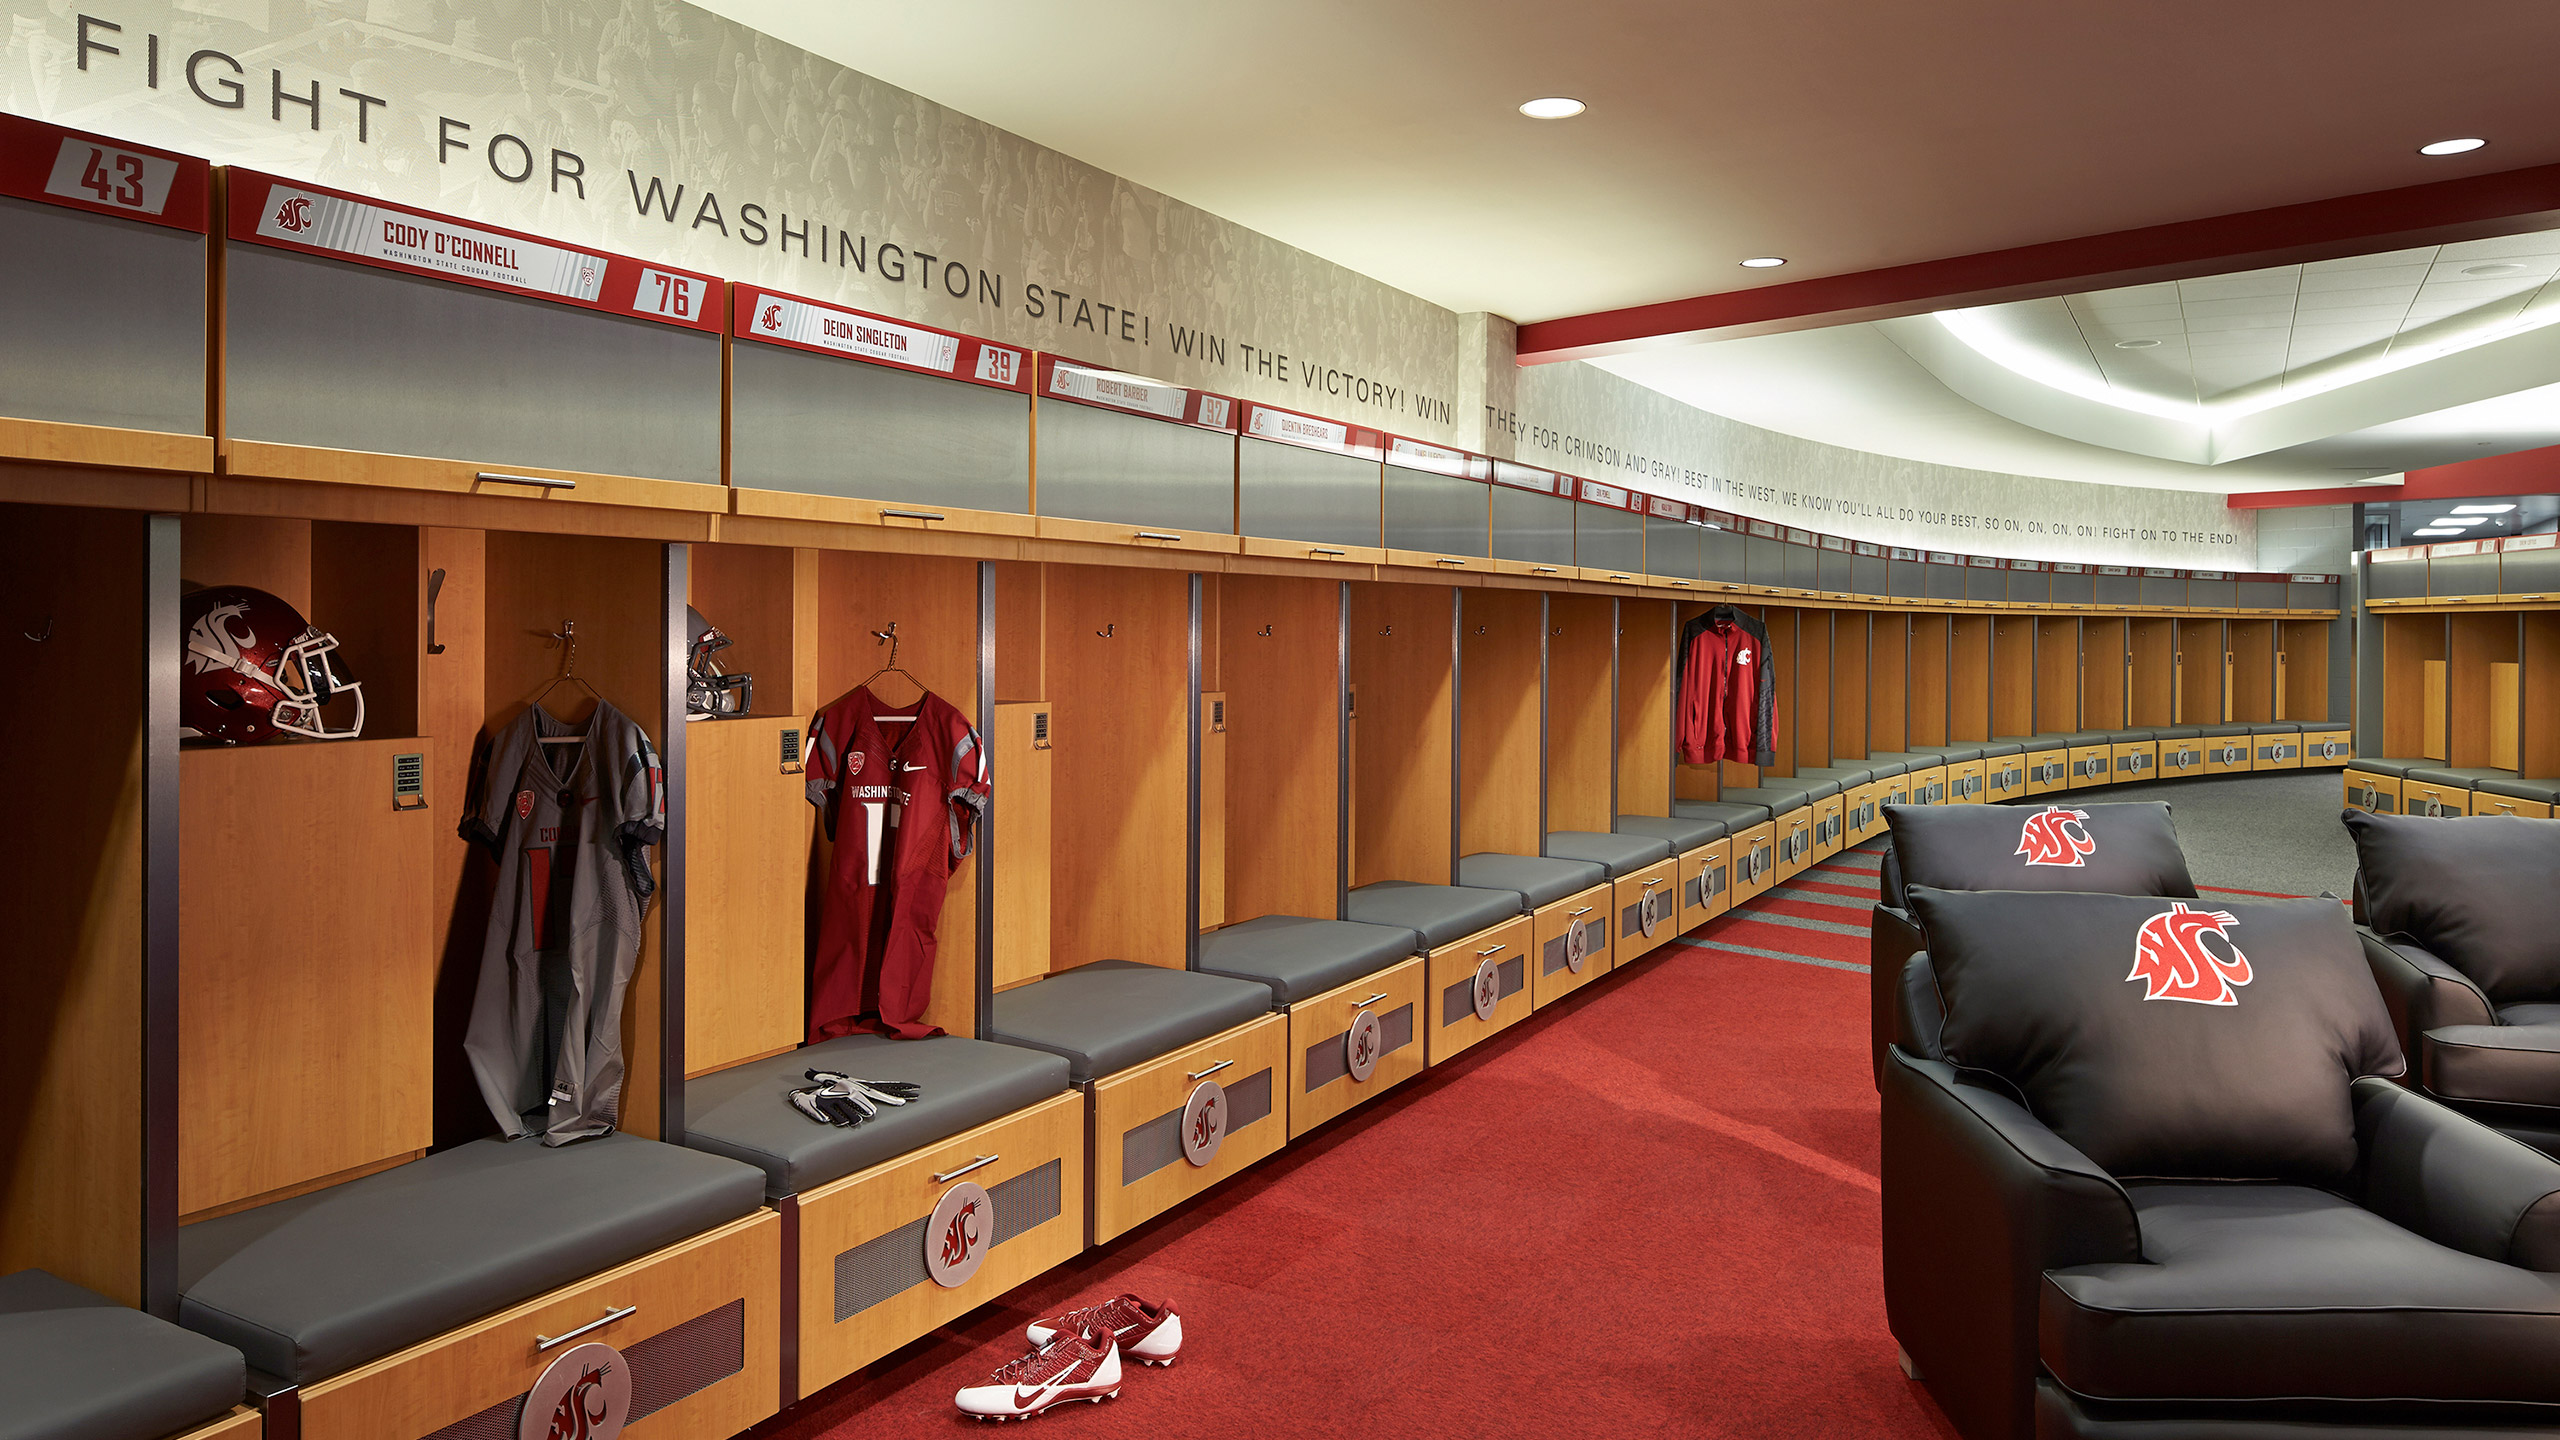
column 1825, row 898
column 1823, row 919
column 1863, row 894
column 1726, row 947
column 1743, row 929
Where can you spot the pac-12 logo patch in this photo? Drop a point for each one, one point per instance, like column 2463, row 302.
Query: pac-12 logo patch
column 294, row 214
column 2056, row 836
column 524, row 804
column 771, row 319
column 2172, row 960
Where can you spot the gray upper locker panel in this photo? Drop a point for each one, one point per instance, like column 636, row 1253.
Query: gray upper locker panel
column 106, row 320
column 1530, row 527
column 1609, row 539
column 1435, row 513
column 1096, row 464
column 327, row 353
column 827, row 425
column 1288, row 492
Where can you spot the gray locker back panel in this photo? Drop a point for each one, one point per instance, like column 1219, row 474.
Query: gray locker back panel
column 1095, row 464
column 1981, row 584
column 2520, row 572
column 2070, row 589
column 1832, row 571
column 2212, row 594
column 326, row 353
column 1532, row 528
column 1726, row 557
column 2163, row 590
column 2311, row 597
column 2261, row 594
column 1675, row 548
column 1441, row 514
column 2034, row 586
column 105, row 322
column 1764, row 560
column 2462, row 574
column 819, row 425
column 2395, row 579
column 1909, row 579
column 1609, row 540
column 1866, row 574
column 2119, row 589
column 1803, row 567
column 1946, row 582
column 1284, row 492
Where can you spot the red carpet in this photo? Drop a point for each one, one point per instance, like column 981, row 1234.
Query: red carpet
column 1648, row 1210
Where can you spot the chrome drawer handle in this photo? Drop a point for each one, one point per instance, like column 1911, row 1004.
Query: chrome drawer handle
column 547, row 1342
column 1156, row 535
column 1372, row 1000
column 913, row 515
column 1542, row 570
column 1320, row 551
column 1496, row 950
column 1212, row 1070
column 1585, row 910
column 526, row 480
column 1445, row 560
column 980, row 1163
column 1621, row 577
column 1649, row 884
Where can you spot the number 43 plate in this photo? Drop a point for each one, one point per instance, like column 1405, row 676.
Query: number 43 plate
column 95, row 174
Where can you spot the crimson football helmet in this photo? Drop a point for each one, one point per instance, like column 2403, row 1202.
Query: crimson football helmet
column 252, row 669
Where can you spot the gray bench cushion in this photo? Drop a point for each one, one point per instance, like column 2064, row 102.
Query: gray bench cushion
column 1300, row 958
column 1440, row 914
column 1535, row 878
column 1684, row 833
column 1734, row 814
column 2546, row 791
column 2375, row 765
column 1619, row 855
column 75, row 1365
column 2276, row 727
column 2443, row 775
column 1885, row 765
column 1949, row 754
column 1994, row 749
column 1778, row 797
column 321, row 1283
column 743, row 1112
column 2177, row 732
column 1112, row 1014
column 1847, row 777
column 2222, row 732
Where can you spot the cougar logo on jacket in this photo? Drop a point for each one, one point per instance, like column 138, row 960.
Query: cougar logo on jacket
column 2055, row 836
column 294, row 215
column 2173, row 962
column 960, row 1236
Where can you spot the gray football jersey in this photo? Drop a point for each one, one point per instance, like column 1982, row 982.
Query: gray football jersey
column 570, row 826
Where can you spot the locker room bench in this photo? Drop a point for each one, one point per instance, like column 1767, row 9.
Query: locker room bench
column 1475, row 945
column 856, row 1204
column 1139, row 1040
column 1572, row 931
column 75, row 1365
column 1325, row 975
column 1851, row 781
column 421, row 1290
column 1920, row 774
column 2513, row 795
column 1644, row 885
column 1751, row 844
column 1790, row 803
column 2374, row 782
column 1702, row 858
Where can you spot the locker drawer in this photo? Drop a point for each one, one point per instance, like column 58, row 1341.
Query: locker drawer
column 1321, row 1085
column 1928, row 787
column 2378, row 794
column 1794, row 832
column 1755, row 861
column 2048, row 770
column 2442, row 800
column 2275, row 752
column 2181, row 757
column 1139, row 1169
column 1450, row 993
column 1552, row 971
column 2135, row 760
column 2328, row 747
column 1654, row 890
column 1893, row 790
column 2227, row 754
column 864, row 1286
column 1829, row 821
column 2090, row 765
column 1706, row 884
column 2484, row 803
column 1968, row 783
column 1862, row 819
column 700, row 1333
column 2004, row 777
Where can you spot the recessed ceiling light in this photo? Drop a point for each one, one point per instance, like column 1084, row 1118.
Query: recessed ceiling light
column 2463, row 146
column 2416, row 533
column 2482, row 509
column 2137, row 344
column 2459, row 520
column 1764, row 262
column 1554, row 107
column 2502, row 267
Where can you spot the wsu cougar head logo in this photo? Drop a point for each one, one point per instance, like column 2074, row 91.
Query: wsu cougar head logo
column 1363, row 1046
column 583, row 1409
column 294, row 215
column 2055, row 836
column 2173, row 962
column 961, row 1235
column 1204, row 1128
column 771, row 319
column 214, row 644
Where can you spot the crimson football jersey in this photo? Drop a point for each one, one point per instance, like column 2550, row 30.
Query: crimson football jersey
column 901, row 790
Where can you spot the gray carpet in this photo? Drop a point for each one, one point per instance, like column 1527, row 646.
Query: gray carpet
column 2274, row 830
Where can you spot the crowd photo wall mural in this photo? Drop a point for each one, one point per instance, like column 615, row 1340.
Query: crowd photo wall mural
column 659, row 130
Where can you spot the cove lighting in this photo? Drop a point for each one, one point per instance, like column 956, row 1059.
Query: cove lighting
column 2460, row 520
column 2414, row 534
column 2462, row 146
column 2137, row 344
column 1764, row 262
column 2497, row 267
column 2482, row 509
column 1554, row 107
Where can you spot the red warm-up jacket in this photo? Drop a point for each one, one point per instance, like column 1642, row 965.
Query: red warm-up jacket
column 1719, row 696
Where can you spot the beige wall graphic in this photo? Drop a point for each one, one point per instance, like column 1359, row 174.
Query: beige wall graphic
column 656, row 129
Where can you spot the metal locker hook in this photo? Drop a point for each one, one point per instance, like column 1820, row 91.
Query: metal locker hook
column 1265, row 631
column 1106, row 631
column 40, row 637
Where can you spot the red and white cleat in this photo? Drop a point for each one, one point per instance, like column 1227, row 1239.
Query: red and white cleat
column 1148, row 1334
column 1070, row 1366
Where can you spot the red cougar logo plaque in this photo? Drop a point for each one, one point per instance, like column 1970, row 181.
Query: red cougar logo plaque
column 1362, row 1046
column 294, row 215
column 1204, row 1123
column 771, row 319
column 584, row 1395
column 958, row 1237
column 2056, row 836
column 2173, row 962
column 1488, row 989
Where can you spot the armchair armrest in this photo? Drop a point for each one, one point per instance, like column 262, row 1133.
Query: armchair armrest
column 2422, row 992
column 1920, row 1013
column 1980, row 1199
column 2454, row 1180
column 1893, row 937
